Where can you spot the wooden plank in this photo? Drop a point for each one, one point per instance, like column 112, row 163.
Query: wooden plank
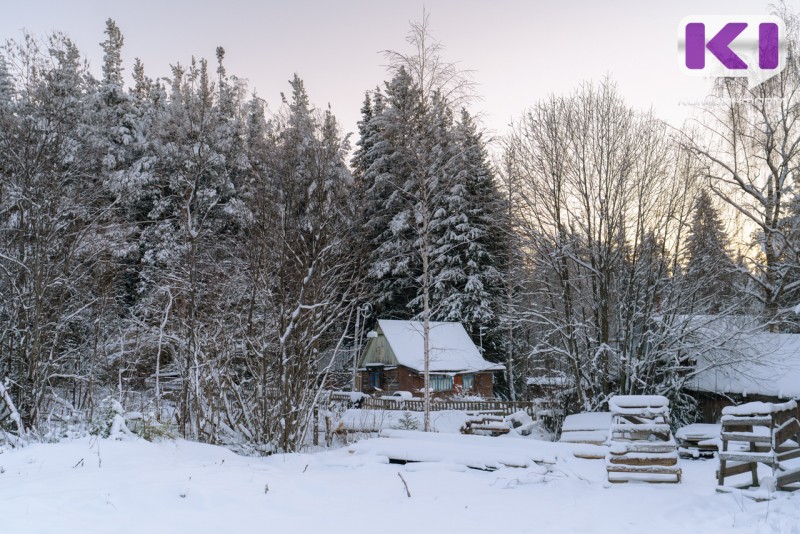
column 788, row 430
column 655, row 469
column 653, row 428
column 730, row 420
column 737, row 469
column 650, row 446
column 789, row 477
column 746, row 436
column 788, row 455
column 589, row 455
column 745, row 456
column 654, row 479
column 624, row 460
column 781, row 417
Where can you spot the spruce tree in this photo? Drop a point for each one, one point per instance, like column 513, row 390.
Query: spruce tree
column 709, row 265
column 473, row 236
column 6, row 83
column 390, row 188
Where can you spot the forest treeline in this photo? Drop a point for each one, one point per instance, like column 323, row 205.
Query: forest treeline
column 172, row 241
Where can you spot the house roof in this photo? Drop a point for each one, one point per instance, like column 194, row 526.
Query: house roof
column 451, row 348
column 762, row 364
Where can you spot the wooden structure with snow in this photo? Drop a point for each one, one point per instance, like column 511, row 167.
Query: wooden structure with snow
column 698, row 440
column 765, row 433
column 641, row 446
column 393, row 360
column 756, row 367
column 588, row 427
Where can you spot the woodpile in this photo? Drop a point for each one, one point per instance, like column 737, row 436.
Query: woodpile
column 641, row 446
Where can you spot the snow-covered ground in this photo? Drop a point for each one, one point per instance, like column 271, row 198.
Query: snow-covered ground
column 93, row 485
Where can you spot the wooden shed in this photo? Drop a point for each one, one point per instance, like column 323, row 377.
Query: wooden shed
column 759, row 367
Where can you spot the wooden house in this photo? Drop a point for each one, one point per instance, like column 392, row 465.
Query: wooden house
column 393, row 360
column 758, row 367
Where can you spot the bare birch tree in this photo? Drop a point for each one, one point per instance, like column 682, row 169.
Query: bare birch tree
column 437, row 85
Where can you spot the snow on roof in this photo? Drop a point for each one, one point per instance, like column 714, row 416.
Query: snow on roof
column 763, row 364
column 451, row 348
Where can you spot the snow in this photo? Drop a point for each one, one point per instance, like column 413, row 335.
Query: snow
column 585, row 436
column 623, row 402
column 587, row 421
column 107, row 486
column 764, row 364
column 588, row 427
column 758, row 408
column 698, row 431
column 451, row 348
column 477, row 452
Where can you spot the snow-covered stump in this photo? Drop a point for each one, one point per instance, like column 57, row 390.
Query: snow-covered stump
column 770, row 434
column 641, row 446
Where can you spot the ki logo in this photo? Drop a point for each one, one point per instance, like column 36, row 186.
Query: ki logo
column 749, row 46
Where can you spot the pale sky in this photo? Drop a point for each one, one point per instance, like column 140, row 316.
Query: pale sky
column 521, row 51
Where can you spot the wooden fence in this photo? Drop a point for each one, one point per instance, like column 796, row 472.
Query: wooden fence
column 417, row 405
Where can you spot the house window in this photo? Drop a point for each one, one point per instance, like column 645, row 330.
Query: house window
column 468, row 382
column 440, row 382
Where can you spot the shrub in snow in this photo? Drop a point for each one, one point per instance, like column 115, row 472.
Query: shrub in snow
column 407, row 422
column 146, row 425
column 150, row 429
column 109, row 420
